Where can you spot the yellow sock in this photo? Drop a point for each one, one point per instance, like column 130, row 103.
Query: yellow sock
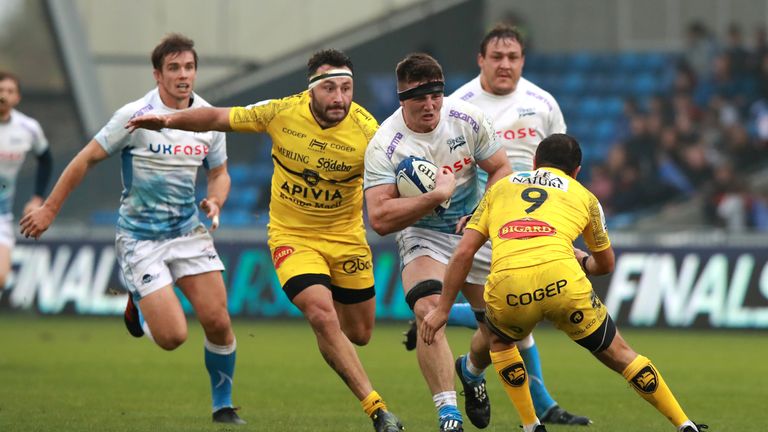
column 509, row 364
column 372, row 402
column 648, row 383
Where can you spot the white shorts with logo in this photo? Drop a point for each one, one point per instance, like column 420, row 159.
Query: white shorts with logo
column 148, row 265
column 7, row 235
column 414, row 242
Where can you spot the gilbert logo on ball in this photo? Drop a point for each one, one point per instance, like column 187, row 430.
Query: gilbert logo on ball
column 417, row 176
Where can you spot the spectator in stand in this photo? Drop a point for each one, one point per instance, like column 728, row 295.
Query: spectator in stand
column 701, row 48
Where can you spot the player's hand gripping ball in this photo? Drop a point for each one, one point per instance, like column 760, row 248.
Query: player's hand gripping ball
column 417, row 176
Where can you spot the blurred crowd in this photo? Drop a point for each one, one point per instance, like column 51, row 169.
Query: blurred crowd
column 703, row 140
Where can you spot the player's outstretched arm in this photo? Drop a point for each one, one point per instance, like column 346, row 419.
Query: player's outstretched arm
column 455, row 275
column 218, row 191
column 201, row 119
column 35, row 223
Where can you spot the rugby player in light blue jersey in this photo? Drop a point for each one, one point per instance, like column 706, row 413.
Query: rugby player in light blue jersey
column 160, row 239
column 458, row 138
column 19, row 135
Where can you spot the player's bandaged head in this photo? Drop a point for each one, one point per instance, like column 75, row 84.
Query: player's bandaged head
column 418, row 75
column 316, row 79
column 433, row 87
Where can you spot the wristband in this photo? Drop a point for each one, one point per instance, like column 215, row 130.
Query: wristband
column 584, row 265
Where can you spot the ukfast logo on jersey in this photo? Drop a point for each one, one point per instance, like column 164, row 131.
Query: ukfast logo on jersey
column 179, row 149
column 541, row 178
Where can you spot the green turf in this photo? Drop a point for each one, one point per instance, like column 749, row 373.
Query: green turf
column 75, row 374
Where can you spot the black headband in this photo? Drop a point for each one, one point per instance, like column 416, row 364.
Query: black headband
column 421, row 90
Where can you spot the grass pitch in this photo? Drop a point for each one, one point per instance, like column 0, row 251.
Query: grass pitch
column 87, row 374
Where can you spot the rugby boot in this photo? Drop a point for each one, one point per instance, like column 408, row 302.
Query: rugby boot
column 451, row 424
column 476, row 402
column 557, row 415
column 227, row 415
column 410, row 336
column 699, row 428
column 131, row 319
column 385, row 421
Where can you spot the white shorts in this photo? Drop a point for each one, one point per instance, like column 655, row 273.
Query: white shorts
column 7, row 235
column 414, row 242
column 148, row 265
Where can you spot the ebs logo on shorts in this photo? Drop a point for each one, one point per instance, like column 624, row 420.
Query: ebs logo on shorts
column 356, row 264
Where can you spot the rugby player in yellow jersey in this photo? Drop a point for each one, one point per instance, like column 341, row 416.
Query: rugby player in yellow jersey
column 316, row 231
column 532, row 219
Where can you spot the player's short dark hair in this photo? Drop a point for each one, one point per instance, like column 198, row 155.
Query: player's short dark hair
column 171, row 44
column 5, row 75
column 331, row 57
column 418, row 67
column 502, row 31
column 559, row 151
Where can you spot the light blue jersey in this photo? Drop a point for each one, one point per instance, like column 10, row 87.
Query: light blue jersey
column 159, row 169
column 522, row 119
column 463, row 137
column 20, row 135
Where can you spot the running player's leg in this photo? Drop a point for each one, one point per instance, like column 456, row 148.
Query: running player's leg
column 470, row 367
column 584, row 317
column 145, row 274
column 638, row 370
column 350, row 264
column 164, row 320
column 356, row 319
column 422, row 281
column 208, row 296
column 316, row 304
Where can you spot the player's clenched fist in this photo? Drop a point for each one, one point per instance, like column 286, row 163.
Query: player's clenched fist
column 36, row 222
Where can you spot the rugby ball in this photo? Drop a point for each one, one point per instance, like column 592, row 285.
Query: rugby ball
column 417, row 176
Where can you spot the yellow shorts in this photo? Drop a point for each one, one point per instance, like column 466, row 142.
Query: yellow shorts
column 516, row 300
column 345, row 261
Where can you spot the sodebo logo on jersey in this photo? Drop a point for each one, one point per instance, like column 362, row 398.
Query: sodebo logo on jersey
column 185, row 149
column 519, row 133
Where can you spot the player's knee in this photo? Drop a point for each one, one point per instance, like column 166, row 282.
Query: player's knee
column 422, row 298
column 217, row 324
column 170, row 341
column 359, row 334
column 322, row 318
